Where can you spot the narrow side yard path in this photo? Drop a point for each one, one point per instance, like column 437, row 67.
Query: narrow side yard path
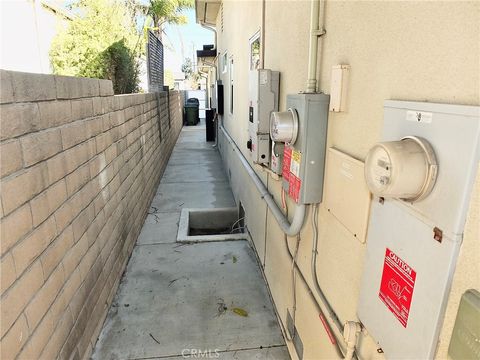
column 175, row 300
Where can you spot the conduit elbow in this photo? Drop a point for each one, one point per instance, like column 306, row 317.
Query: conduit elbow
column 351, row 330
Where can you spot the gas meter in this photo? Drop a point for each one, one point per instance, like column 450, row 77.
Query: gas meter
column 405, row 169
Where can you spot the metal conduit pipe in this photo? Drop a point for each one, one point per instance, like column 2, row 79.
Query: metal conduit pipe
column 333, row 338
column 293, row 229
column 290, row 229
column 313, row 264
column 313, row 47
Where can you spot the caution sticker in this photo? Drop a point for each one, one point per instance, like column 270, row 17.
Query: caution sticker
column 294, row 187
column 396, row 287
column 287, row 158
column 295, row 163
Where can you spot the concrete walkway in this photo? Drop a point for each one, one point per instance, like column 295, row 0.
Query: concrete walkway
column 176, row 300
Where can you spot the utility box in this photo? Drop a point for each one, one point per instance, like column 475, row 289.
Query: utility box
column 305, row 128
column 263, row 99
column 338, row 88
column 217, row 98
column 465, row 343
column 413, row 245
column 346, row 195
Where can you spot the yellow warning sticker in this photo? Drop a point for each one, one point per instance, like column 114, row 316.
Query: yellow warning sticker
column 295, row 163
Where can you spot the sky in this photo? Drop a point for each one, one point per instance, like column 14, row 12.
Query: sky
column 192, row 35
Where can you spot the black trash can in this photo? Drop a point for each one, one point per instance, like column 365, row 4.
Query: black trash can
column 191, row 111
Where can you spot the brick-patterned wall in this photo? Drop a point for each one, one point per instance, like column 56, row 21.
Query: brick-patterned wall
column 78, row 170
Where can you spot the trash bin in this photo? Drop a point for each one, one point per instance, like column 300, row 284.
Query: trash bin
column 191, row 111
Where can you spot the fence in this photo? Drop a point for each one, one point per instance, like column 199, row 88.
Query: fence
column 78, row 170
column 155, row 67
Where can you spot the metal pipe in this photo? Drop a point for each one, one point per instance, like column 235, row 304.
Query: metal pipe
column 342, row 329
column 320, row 293
column 293, row 229
column 313, row 47
column 262, row 45
column 290, row 229
column 321, row 315
column 212, row 28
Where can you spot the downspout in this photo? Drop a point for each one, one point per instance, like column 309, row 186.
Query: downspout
column 211, row 28
column 290, row 229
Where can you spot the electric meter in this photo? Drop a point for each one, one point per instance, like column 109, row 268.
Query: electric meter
column 405, row 169
column 284, row 126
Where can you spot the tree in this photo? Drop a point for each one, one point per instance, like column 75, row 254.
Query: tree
column 190, row 74
column 165, row 12
column 102, row 43
column 169, row 79
column 187, row 68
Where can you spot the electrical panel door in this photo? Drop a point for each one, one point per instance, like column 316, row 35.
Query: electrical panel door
column 413, row 242
column 263, row 99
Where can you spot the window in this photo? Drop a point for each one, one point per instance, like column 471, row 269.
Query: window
column 255, row 51
column 224, row 62
column 231, row 85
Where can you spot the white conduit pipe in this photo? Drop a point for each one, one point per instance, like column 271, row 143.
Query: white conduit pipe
column 290, row 229
column 313, row 47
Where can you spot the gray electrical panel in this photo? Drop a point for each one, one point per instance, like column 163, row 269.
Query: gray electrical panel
column 263, row 99
column 465, row 342
column 412, row 247
column 304, row 160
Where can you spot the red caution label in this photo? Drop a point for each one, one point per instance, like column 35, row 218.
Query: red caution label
column 396, row 287
column 294, row 187
column 291, row 172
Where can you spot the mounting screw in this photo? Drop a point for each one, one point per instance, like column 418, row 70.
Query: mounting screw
column 380, row 350
column 381, row 200
column 437, row 234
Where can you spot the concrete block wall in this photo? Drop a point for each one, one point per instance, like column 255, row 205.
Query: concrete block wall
column 78, row 170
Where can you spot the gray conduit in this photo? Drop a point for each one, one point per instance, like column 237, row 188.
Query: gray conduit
column 291, row 229
column 321, row 314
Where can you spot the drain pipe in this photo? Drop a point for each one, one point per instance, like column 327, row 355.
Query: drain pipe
column 212, row 28
column 290, row 229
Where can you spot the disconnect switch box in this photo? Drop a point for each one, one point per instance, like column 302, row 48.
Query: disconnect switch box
column 414, row 237
column 304, row 159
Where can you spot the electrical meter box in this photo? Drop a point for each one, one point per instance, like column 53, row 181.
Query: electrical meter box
column 304, row 158
column 412, row 245
column 263, row 99
column 465, row 343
